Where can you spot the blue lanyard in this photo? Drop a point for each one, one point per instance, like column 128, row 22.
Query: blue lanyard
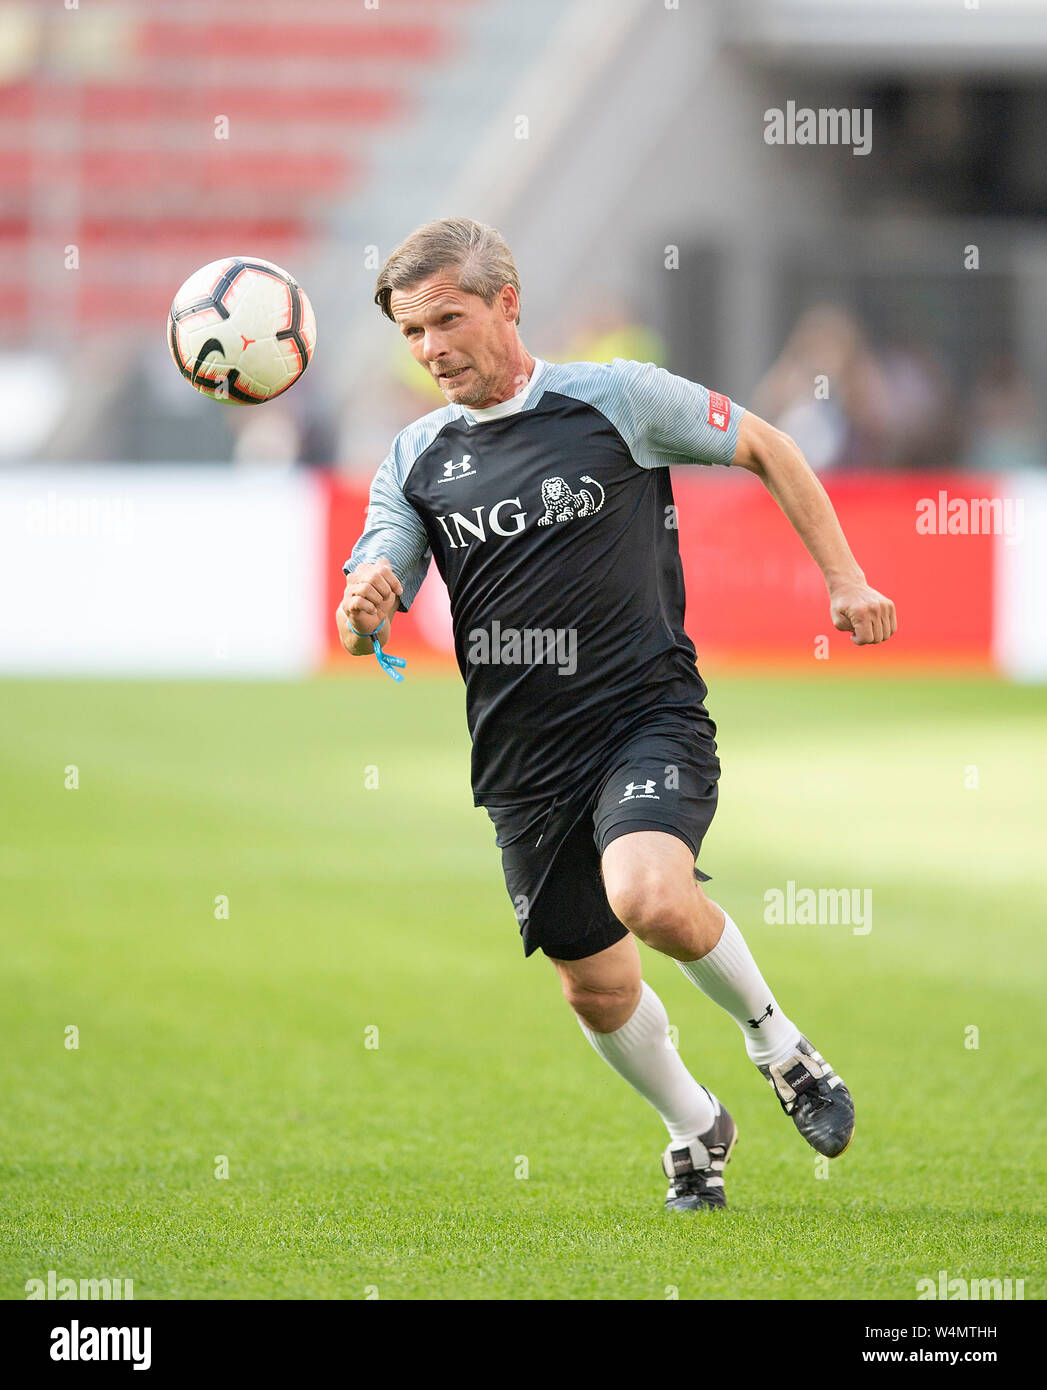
column 387, row 663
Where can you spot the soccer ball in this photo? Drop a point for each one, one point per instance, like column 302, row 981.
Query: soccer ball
column 241, row 330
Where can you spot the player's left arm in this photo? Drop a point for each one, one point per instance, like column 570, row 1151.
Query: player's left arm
column 779, row 464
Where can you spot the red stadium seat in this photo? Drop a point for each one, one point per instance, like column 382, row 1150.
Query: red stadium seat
column 155, row 194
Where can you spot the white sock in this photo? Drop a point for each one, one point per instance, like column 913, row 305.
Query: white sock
column 641, row 1053
column 730, row 977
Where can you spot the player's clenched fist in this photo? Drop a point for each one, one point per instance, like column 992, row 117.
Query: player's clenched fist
column 867, row 615
column 370, row 598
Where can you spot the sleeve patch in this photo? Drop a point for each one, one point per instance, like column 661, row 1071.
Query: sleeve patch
column 719, row 411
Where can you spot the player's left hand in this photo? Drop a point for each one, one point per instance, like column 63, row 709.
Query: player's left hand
column 867, row 615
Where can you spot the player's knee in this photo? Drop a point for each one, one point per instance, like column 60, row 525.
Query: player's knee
column 603, row 1008
column 655, row 911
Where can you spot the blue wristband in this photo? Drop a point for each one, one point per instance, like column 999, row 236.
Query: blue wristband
column 387, row 663
column 367, row 634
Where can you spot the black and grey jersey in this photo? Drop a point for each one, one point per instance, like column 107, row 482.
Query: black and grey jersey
column 551, row 520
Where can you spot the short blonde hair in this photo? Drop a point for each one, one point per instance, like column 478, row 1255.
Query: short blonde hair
column 477, row 252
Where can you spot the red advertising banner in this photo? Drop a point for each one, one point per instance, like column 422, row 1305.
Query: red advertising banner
column 755, row 596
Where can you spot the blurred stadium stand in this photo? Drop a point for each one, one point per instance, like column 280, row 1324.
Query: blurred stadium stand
column 602, row 136
column 110, row 140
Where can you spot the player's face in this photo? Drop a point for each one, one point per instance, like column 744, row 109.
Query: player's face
column 470, row 348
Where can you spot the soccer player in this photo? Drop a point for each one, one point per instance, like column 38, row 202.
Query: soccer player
column 541, row 491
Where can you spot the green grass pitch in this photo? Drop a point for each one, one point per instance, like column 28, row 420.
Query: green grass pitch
column 394, row 1170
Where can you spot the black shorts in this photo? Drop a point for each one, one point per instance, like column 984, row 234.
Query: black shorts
column 662, row 777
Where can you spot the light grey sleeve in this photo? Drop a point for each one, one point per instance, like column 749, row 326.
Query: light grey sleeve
column 394, row 529
column 676, row 420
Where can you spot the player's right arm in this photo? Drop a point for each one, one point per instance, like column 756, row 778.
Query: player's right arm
column 372, row 596
column 388, row 562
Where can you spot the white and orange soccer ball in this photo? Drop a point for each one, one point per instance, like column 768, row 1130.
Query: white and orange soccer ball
column 241, row 330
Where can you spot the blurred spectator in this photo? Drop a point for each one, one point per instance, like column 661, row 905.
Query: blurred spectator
column 608, row 331
column 1005, row 430
column 34, row 392
column 318, row 441
column 925, row 421
column 317, row 437
column 414, row 389
column 828, row 392
column 266, row 435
